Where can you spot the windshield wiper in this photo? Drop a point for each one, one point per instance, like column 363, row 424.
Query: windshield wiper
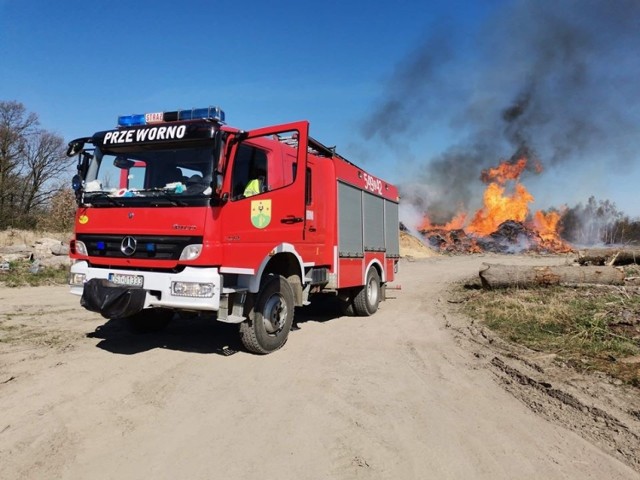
column 102, row 196
column 157, row 194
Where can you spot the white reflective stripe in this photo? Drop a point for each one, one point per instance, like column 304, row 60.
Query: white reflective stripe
column 375, row 261
column 254, row 281
column 241, row 271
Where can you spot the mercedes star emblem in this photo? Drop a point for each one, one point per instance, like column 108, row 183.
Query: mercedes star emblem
column 128, row 246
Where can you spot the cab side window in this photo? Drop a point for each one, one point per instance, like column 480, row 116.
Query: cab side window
column 249, row 172
column 262, row 165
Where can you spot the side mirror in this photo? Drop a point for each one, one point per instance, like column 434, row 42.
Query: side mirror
column 123, row 163
column 75, row 147
column 76, row 183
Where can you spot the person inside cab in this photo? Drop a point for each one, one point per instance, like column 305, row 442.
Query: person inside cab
column 257, row 183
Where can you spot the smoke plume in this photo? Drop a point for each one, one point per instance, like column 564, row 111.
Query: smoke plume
column 555, row 80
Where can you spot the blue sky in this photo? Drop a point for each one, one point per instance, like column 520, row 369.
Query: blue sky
column 79, row 64
column 341, row 65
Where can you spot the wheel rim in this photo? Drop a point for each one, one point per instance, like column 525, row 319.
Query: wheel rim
column 274, row 314
column 372, row 291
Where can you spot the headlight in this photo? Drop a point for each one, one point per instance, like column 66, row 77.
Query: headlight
column 192, row 289
column 77, row 279
column 80, row 248
column 191, row 252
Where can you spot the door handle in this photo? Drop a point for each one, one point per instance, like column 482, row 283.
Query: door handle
column 291, row 219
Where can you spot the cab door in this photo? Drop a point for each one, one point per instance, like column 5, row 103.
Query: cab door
column 264, row 187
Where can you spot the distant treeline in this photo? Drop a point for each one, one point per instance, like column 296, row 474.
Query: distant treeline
column 598, row 222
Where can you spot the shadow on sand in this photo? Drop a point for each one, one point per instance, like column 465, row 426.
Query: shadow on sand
column 200, row 333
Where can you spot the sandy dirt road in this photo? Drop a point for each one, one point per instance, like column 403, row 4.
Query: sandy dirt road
column 399, row 395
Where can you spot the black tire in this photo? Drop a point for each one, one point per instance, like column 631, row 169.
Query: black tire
column 366, row 301
column 345, row 300
column 149, row 320
column 270, row 317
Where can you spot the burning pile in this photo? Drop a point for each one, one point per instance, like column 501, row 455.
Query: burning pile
column 503, row 224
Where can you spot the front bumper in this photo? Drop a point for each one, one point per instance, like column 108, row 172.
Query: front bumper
column 157, row 285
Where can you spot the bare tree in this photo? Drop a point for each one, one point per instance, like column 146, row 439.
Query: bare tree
column 596, row 222
column 31, row 162
column 15, row 126
column 44, row 161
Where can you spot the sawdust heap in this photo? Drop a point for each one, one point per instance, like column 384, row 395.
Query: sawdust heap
column 411, row 246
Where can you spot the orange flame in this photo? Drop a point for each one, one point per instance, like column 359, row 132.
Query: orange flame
column 456, row 223
column 503, row 172
column 499, row 206
column 546, row 224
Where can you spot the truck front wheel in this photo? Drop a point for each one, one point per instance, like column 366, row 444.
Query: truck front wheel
column 270, row 317
column 366, row 301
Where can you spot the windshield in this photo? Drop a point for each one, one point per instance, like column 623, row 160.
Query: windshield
column 179, row 173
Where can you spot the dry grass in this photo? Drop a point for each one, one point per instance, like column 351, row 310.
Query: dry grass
column 25, row 273
column 588, row 327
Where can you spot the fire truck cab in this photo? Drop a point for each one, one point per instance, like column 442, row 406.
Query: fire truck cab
column 179, row 212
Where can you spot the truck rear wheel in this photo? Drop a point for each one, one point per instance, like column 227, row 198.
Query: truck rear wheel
column 270, row 317
column 366, row 301
column 345, row 300
column 149, row 320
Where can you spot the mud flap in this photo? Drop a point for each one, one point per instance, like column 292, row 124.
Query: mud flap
column 111, row 300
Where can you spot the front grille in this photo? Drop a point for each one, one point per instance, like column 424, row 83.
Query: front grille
column 159, row 247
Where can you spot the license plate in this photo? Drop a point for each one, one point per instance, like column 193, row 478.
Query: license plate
column 126, row 279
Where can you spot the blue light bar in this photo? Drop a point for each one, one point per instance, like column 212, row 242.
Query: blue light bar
column 131, row 120
column 208, row 113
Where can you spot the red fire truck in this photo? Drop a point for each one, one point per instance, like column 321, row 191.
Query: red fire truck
column 178, row 212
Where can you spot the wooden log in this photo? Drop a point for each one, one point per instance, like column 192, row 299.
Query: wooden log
column 609, row 256
column 522, row 276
